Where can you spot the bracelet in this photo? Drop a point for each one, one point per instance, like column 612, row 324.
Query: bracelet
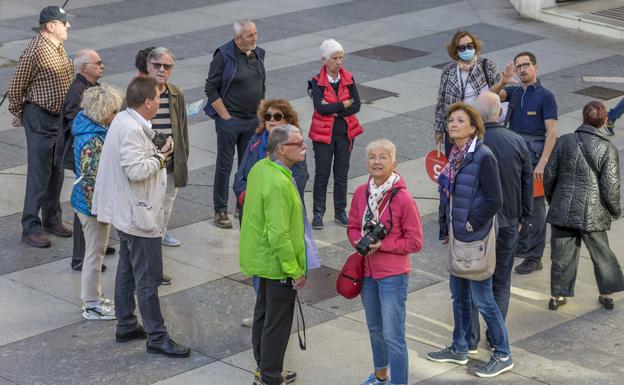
column 161, row 159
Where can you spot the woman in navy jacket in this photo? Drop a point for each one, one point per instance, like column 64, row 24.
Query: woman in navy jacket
column 472, row 180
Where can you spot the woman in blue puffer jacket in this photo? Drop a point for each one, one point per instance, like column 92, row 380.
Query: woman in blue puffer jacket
column 100, row 105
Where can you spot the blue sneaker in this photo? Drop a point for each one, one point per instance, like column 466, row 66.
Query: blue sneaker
column 448, row 355
column 170, row 241
column 373, row 380
column 495, row 366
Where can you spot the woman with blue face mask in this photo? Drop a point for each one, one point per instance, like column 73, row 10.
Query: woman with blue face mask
column 462, row 80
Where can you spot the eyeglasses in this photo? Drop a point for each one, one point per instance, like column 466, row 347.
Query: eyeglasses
column 277, row 117
column 97, row 63
column 463, row 47
column 298, row 144
column 166, row 67
column 523, row 66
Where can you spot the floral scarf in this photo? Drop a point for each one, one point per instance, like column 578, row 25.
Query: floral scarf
column 449, row 172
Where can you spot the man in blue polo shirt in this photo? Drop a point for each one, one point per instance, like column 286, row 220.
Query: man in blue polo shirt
column 532, row 114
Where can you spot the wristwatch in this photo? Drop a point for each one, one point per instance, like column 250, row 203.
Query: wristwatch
column 469, row 227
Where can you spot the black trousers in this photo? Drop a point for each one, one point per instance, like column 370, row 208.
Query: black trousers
column 232, row 135
column 140, row 270
column 44, row 180
column 273, row 316
column 566, row 245
column 533, row 235
column 79, row 241
column 338, row 151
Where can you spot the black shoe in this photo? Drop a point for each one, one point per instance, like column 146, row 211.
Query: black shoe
column 77, row 266
column 109, row 250
column 606, row 302
column 169, row 348
column 317, row 222
column 341, row 219
column 528, row 266
column 137, row 334
column 554, row 303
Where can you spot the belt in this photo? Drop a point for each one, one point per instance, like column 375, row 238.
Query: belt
column 56, row 115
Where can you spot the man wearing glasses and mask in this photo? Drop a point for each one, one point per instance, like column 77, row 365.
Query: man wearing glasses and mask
column 532, row 114
column 40, row 82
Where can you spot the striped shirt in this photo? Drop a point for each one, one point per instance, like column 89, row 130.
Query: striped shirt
column 42, row 77
column 162, row 121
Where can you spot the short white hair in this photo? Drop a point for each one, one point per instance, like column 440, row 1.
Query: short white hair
column 157, row 52
column 82, row 57
column 330, row 47
column 382, row 144
column 240, row 25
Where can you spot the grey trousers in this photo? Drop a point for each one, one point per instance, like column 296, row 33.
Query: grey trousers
column 44, row 180
column 566, row 246
column 140, row 269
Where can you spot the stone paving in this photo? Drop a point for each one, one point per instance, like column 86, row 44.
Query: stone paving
column 44, row 340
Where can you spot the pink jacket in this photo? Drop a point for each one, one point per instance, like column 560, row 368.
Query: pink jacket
column 405, row 238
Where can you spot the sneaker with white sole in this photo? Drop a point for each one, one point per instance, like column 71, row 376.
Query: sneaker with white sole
column 448, row 355
column 495, row 366
column 170, row 241
column 247, row 322
column 373, row 380
column 103, row 310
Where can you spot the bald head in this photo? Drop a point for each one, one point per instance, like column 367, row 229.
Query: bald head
column 489, row 106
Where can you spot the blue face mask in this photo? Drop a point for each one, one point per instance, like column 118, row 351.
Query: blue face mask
column 467, row 55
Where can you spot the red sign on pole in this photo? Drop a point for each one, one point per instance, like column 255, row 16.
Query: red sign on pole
column 434, row 163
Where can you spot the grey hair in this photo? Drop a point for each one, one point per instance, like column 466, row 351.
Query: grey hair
column 330, row 47
column 158, row 52
column 240, row 25
column 278, row 136
column 82, row 57
column 489, row 106
column 382, row 144
column 100, row 102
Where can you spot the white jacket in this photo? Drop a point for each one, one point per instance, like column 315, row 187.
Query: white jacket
column 130, row 185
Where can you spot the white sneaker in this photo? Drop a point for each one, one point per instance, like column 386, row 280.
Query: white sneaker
column 103, row 311
column 247, row 322
column 168, row 240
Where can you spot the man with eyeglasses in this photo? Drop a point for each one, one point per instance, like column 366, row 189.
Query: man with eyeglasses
column 36, row 94
column 532, row 114
column 89, row 69
column 170, row 121
column 235, row 87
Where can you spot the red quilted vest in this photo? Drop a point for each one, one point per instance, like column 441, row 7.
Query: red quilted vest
column 322, row 125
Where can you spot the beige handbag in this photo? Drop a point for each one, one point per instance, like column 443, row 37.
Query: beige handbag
column 474, row 260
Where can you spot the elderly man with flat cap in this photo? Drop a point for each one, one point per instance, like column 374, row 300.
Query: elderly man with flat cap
column 41, row 80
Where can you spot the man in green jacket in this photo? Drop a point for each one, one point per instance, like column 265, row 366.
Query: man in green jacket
column 273, row 248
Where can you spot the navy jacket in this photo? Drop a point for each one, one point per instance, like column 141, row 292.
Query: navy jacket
column 227, row 50
column 515, row 170
column 476, row 192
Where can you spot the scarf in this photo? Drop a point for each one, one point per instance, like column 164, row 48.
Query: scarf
column 449, row 172
column 263, row 144
column 375, row 197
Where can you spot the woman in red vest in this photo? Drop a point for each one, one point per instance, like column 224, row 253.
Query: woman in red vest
column 333, row 128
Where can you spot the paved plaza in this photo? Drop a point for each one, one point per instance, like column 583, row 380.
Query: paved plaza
column 43, row 338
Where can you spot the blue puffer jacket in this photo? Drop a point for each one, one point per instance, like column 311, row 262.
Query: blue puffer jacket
column 253, row 153
column 88, row 141
column 477, row 193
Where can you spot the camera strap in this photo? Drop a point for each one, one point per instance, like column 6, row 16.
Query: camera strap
column 302, row 342
column 393, row 192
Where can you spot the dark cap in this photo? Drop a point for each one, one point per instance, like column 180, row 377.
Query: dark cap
column 52, row 13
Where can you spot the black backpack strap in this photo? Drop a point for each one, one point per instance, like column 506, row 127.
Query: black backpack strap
column 581, row 146
column 510, row 106
column 484, row 69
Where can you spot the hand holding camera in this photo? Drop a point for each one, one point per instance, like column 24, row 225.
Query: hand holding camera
column 167, row 148
column 371, row 241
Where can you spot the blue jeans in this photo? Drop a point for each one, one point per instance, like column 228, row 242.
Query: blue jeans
column 384, row 306
column 617, row 111
column 465, row 292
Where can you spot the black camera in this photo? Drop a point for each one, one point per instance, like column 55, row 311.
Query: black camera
column 375, row 231
column 159, row 140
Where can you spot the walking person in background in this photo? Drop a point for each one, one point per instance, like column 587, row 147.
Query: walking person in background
column 333, row 128
column 582, row 186
column 384, row 199
column 99, row 106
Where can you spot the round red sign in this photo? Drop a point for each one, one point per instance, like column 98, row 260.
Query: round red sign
column 434, row 164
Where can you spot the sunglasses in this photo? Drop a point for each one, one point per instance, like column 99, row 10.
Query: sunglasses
column 298, row 144
column 166, row 67
column 61, row 22
column 277, row 117
column 97, row 63
column 463, row 47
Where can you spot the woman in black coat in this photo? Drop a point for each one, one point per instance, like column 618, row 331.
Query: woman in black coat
column 582, row 186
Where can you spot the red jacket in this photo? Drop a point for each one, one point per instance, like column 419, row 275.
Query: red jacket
column 322, row 125
column 405, row 238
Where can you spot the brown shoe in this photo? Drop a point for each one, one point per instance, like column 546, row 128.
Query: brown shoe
column 59, row 230
column 36, row 240
column 221, row 220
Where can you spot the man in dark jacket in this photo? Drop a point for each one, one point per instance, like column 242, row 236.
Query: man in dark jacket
column 89, row 69
column 235, row 87
column 516, row 175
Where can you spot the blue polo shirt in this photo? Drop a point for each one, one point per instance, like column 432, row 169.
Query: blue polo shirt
column 531, row 107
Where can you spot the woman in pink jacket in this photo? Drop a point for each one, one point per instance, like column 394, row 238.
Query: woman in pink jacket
column 384, row 200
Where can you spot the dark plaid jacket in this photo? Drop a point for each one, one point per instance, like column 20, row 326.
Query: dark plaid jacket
column 450, row 88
